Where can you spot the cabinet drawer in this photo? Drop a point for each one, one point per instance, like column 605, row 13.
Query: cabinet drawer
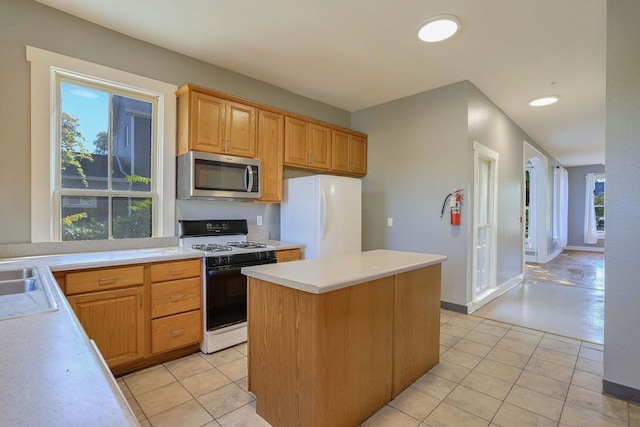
column 288, row 255
column 100, row 280
column 175, row 296
column 179, row 330
column 161, row 272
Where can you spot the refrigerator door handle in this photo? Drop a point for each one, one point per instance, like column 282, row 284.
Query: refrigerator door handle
column 323, row 213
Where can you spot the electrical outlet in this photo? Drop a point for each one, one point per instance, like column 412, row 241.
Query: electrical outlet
column 259, row 220
column 389, row 222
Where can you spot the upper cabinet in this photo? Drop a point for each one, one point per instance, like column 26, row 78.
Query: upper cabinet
column 307, row 144
column 214, row 122
column 270, row 148
column 215, row 125
column 349, row 153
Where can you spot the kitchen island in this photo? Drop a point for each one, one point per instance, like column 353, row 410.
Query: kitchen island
column 332, row 340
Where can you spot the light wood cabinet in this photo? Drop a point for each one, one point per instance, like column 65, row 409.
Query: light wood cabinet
column 287, row 255
column 270, row 153
column 335, row 358
column 215, row 125
column 141, row 314
column 176, row 301
column 113, row 318
column 307, row 144
column 348, row 153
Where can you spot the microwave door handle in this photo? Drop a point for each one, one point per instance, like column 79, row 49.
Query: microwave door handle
column 248, row 178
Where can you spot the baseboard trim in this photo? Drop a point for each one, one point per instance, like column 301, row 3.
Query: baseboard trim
column 621, row 391
column 453, row 307
column 495, row 293
column 585, row 248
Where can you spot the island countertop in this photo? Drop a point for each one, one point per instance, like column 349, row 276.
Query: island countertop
column 322, row 275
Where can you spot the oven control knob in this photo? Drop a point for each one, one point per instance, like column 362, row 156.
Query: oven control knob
column 259, row 255
column 229, row 260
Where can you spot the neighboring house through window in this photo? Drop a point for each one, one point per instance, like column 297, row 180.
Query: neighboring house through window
column 97, row 167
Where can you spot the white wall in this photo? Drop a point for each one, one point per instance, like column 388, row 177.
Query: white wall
column 622, row 291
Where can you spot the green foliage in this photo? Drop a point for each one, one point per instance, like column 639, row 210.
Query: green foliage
column 72, row 148
column 101, row 143
column 137, row 224
column 79, row 227
column 138, row 179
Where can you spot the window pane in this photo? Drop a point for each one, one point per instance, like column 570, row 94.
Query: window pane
column 599, row 202
column 85, row 218
column 131, row 146
column 84, row 126
column 131, row 217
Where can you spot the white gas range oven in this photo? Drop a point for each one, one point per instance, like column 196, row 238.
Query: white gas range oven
column 226, row 250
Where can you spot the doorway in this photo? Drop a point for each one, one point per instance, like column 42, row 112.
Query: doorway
column 535, row 206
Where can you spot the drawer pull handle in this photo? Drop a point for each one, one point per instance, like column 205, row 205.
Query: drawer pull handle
column 176, row 297
column 107, row 280
column 177, row 271
column 177, row 332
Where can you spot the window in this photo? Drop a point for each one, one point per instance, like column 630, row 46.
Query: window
column 599, row 202
column 106, row 151
column 100, row 138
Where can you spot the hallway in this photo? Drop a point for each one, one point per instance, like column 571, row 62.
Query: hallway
column 564, row 297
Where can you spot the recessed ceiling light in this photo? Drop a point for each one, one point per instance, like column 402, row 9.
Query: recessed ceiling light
column 545, row 100
column 438, row 28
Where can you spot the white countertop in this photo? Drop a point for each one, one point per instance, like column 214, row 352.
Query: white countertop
column 330, row 273
column 50, row 373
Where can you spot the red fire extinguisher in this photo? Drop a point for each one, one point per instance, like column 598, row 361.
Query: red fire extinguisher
column 455, row 206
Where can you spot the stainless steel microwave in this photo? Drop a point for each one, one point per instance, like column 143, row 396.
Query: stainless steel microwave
column 217, row 177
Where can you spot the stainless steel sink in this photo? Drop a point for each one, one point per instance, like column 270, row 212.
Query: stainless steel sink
column 17, row 286
column 23, row 293
column 22, row 273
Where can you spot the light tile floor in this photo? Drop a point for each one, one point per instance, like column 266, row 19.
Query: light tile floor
column 490, row 374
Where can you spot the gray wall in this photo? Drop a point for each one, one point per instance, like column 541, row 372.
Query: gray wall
column 26, row 22
column 575, row 223
column 413, row 144
column 420, row 148
column 622, row 293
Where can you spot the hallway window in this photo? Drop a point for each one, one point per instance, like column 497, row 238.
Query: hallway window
column 599, row 203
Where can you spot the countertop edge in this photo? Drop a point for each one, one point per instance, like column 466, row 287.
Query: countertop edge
column 332, row 285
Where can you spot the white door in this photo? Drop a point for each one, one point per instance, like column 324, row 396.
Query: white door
column 484, row 219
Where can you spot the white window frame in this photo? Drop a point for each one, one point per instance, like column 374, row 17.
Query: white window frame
column 45, row 215
column 492, row 157
column 597, row 176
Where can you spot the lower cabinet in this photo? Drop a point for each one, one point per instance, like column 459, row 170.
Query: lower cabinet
column 141, row 314
column 287, row 255
column 115, row 321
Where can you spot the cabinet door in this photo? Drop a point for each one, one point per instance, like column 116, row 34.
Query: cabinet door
column 115, row 321
column 240, row 133
column 207, row 123
column 295, row 142
column 270, row 153
column 340, row 151
column 358, row 155
column 320, row 146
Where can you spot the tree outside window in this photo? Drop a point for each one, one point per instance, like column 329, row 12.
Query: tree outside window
column 106, row 143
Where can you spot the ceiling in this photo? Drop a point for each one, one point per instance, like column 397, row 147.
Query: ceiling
column 355, row 54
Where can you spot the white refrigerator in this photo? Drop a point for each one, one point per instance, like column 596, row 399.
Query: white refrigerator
column 324, row 213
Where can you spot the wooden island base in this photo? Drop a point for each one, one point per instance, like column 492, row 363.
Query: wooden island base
column 333, row 359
